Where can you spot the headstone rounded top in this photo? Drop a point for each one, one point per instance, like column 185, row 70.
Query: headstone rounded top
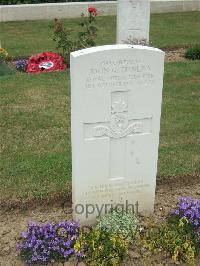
column 114, row 47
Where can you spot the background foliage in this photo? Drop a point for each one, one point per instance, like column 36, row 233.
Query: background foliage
column 193, row 53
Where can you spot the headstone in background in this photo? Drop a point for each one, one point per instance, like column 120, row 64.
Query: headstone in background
column 133, row 19
column 116, row 95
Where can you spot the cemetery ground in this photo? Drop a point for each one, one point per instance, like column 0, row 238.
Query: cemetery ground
column 35, row 127
column 22, row 38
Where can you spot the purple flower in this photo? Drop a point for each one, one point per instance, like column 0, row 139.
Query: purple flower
column 24, row 234
column 67, row 244
column 79, row 254
column 68, row 252
column 49, row 241
column 21, row 64
column 189, row 208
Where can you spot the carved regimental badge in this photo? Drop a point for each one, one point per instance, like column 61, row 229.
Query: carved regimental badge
column 120, row 125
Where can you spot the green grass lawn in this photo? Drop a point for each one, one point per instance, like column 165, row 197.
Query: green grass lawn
column 35, row 145
column 35, row 130
column 24, row 38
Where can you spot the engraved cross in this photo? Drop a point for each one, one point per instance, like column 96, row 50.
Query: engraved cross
column 118, row 129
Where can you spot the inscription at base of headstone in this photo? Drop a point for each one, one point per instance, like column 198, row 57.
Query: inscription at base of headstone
column 133, row 18
column 116, row 95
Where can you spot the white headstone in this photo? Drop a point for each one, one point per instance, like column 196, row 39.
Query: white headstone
column 133, row 18
column 116, row 93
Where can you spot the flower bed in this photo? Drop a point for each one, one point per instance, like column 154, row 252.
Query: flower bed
column 109, row 242
column 49, row 242
column 43, row 62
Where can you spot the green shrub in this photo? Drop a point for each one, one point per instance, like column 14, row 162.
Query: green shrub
column 108, row 242
column 193, row 53
column 119, row 223
column 170, row 239
column 102, row 248
column 6, row 69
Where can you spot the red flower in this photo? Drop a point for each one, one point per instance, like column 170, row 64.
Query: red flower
column 45, row 62
column 92, row 10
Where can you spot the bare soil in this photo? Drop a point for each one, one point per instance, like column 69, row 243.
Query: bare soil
column 175, row 55
column 171, row 54
column 14, row 220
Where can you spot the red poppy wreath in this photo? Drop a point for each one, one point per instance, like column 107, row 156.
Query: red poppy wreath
column 45, row 62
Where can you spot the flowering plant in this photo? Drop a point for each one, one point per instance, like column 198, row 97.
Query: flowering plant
column 92, row 13
column 177, row 237
column 186, row 215
column 66, row 43
column 188, row 208
column 92, row 10
column 49, row 242
column 102, row 248
column 168, row 240
column 88, row 24
column 3, row 55
column 21, row 64
column 121, row 223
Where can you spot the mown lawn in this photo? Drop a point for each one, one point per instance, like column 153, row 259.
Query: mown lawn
column 24, row 38
column 35, row 145
column 35, row 130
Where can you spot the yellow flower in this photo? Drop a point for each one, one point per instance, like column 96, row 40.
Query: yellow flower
column 3, row 54
column 77, row 246
column 183, row 221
